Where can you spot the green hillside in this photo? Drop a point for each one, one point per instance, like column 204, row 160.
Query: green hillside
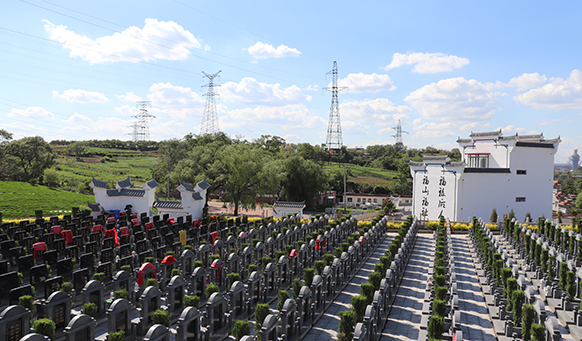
column 20, row 200
column 364, row 175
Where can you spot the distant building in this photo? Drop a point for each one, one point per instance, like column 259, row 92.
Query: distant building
column 118, row 199
column 365, row 200
column 283, row 208
column 192, row 201
column 503, row 172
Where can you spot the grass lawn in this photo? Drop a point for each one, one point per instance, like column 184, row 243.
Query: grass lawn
column 363, row 175
column 20, row 199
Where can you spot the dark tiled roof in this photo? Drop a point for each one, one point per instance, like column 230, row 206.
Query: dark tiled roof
column 415, row 164
column 94, row 207
column 196, row 196
column 124, row 183
column 187, row 186
column 456, row 164
column 460, row 140
column 436, row 158
column 99, row 183
column 125, row 192
column 289, row 204
column 203, row 184
column 496, row 133
column 174, row 205
column 152, row 183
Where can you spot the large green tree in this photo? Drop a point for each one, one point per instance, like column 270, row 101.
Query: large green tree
column 243, row 172
column 30, row 156
column 303, row 179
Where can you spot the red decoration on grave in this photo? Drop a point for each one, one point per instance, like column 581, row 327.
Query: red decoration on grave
column 134, row 215
column 215, row 265
column 293, row 253
column 68, row 236
column 242, row 235
column 362, row 240
column 56, row 229
column 196, row 223
column 111, row 219
column 40, row 246
column 142, row 269
column 112, row 233
column 135, row 221
column 123, row 213
column 213, row 217
column 98, row 228
column 124, row 231
column 323, row 242
column 317, row 244
column 214, row 235
column 170, row 221
column 168, row 259
column 148, row 226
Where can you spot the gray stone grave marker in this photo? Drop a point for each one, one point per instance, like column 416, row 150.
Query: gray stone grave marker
column 14, row 323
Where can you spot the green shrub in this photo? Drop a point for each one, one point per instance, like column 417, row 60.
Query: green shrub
column 211, row 289
column 117, row 336
column 359, row 304
column 26, row 301
column 191, row 301
column 544, row 260
column 45, row 327
column 345, row 247
column 240, row 329
column 518, row 298
column 126, row 268
column 439, row 270
column 308, row 276
column 319, row 266
column 436, row 325
column 439, row 307
column 278, row 255
column 90, row 309
column 261, row 312
column 571, row 285
column 232, row 277
column 264, row 262
column 170, row 253
column 537, row 332
column 552, row 268
column 511, row 287
column 99, row 276
column 176, row 272
column 347, row 323
column 282, row 296
column 505, row 275
column 527, row 320
column 338, row 252
column 67, row 287
column 375, row 278
column 253, row 268
column 367, row 290
column 563, row 275
column 440, row 293
column 198, row 264
column 149, row 260
column 120, row 294
column 296, row 286
column 162, row 317
column 213, row 258
column 328, row 258
column 152, row 282
column 439, row 280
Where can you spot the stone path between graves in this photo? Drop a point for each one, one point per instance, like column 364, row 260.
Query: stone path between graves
column 475, row 322
column 404, row 319
column 328, row 325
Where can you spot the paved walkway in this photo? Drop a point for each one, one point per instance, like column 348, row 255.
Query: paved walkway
column 404, row 319
column 328, row 325
column 475, row 323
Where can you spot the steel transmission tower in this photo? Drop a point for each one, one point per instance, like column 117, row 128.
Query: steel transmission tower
column 141, row 129
column 210, row 117
column 334, row 128
column 399, row 131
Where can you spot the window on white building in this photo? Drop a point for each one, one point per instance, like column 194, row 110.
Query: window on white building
column 478, row 160
column 519, row 199
column 349, row 199
column 358, row 199
column 375, row 201
column 521, row 172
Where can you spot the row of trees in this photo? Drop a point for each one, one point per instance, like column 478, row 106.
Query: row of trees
column 25, row 159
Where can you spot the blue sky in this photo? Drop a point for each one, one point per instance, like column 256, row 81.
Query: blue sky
column 74, row 69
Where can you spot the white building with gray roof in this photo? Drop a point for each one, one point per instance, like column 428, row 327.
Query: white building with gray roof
column 122, row 195
column 192, row 201
column 507, row 173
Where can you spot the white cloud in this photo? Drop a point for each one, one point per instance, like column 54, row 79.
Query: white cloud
column 250, row 91
column 379, row 111
column 262, row 50
column 81, row 96
column 312, row 87
column 559, row 94
column 427, row 62
column 31, row 113
column 156, row 40
column 527, row 81
column 511, row 130
column 360, row 82
column 454, row 99
column 474, row 126
column 129, row 97
column 78, row 119
column 168, row 95
column 292, row 138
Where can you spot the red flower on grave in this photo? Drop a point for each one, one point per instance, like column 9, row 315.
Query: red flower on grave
column 213, row 217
